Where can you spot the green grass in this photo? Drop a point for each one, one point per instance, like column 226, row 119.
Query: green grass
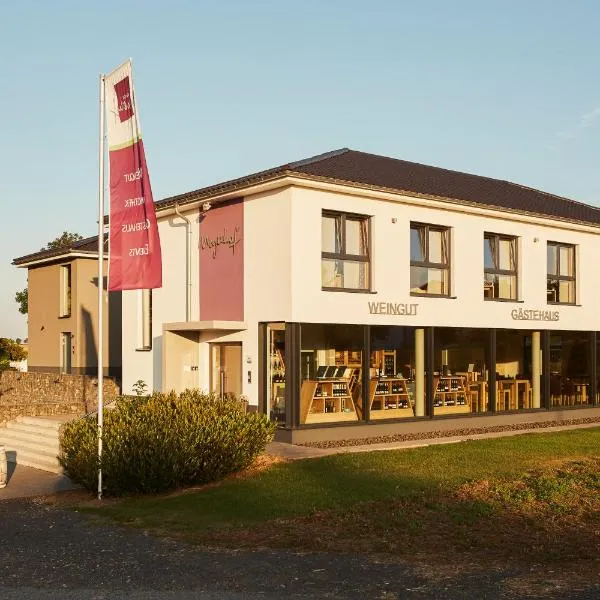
column 341, row 482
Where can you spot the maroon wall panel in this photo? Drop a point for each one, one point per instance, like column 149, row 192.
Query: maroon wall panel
column 222, row 263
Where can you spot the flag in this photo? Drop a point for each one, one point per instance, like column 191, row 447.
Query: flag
column 135, row 254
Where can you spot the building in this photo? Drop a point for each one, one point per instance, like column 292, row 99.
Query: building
column 62, row 320
column 351, row 294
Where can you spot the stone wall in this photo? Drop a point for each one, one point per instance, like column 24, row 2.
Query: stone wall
column 43, row 394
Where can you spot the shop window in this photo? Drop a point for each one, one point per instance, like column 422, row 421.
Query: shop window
column 144, row 341
column 514, row 370
column 331, row 373
column 394, row 388
column 345, row 254
column 429, row 260
column 65, row 291
column 461, row 371
column 569, row 370
column 276, row 361
column 560, row 288
column 500, row 267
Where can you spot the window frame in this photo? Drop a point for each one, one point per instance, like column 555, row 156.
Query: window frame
column 558, row 277
column 342, row 256
column 432, row 265
column 66, row 291
column 507, row 272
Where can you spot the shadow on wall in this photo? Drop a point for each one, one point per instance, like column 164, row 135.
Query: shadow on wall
column 90, row 347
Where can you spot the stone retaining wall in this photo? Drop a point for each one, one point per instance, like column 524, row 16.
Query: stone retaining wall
column 43, row 394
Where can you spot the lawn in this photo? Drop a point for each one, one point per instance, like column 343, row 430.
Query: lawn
column 525, row 500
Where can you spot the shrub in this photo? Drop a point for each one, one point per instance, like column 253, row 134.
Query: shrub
column 164, row 441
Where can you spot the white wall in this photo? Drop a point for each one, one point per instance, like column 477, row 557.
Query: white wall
column 282, row 275
column 391, row 272
column 168, row 304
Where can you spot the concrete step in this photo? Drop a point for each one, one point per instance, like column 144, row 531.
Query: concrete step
column 53, row 422
column 34, row 460
column 26, row 428
column 15, row 439
column 34, row 441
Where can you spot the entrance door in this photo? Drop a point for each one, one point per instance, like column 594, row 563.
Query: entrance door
column 65, row 352
column 226, row 369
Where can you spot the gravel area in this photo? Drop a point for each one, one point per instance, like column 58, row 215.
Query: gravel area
column 48, row 553
column 464, row 431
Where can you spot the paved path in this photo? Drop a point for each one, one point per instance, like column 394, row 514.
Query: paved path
column 26, row 482
column 48, row 553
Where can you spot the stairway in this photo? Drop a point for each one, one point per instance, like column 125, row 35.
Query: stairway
column 33, row 441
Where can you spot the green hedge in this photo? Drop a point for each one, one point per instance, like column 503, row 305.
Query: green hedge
column 164, row 441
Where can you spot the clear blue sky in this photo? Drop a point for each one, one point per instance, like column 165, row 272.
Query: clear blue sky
column 503, row 88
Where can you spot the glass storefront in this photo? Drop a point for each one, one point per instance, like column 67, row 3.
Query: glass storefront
column 331, row 380
column 331, row 373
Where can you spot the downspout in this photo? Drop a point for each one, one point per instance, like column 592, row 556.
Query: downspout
column 188, row 263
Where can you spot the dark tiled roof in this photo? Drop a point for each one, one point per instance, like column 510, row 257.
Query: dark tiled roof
column 360, row 168
column 89, row 245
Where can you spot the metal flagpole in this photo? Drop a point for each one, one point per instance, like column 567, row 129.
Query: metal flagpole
column 101, row 284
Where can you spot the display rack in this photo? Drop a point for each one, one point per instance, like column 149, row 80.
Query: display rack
column 389, row 398
column 451, row 395
column 326, row 400
column 277, row 384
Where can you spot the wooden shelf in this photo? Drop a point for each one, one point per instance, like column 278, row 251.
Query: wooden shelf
column 451, row 395
column 319, row 404
column 389, row 398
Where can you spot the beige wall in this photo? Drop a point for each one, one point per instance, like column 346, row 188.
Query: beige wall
column 45, row 326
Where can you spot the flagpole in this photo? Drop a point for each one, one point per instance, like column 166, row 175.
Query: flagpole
column 101, row 283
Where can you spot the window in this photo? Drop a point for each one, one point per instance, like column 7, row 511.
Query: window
column 65, row 291
column 500, row 267
column 145, row 320
column 345, row 252
column 560, row 282
column 429, row 260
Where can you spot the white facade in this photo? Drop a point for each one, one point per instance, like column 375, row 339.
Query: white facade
column 282, row 274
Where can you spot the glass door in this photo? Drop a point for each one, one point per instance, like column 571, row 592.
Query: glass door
column 65, row 352
column 226, row 369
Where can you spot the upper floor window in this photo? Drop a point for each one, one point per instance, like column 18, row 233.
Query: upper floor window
column 500, row 267
column 345, row 254
column 429, row 260
column 560, row 282
column 65, row 291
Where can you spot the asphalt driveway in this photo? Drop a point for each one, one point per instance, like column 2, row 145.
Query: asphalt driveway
column 50, row 553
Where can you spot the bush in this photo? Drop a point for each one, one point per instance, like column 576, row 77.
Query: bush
column 164, row 441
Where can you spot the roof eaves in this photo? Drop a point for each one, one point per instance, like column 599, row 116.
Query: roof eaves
column 448, row 199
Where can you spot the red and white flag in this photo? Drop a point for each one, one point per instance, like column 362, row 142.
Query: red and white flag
column 135, row 254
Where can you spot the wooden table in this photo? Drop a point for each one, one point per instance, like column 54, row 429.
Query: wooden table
column 509, row 392
column 478, row 392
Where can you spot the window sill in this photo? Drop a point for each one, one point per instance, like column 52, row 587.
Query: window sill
column 563, row 304
column 348, row 290
column 504, row 300
column 446, row 296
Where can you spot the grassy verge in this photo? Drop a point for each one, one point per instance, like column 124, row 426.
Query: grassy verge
column 526, row 500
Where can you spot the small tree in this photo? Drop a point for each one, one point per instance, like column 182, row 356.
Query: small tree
column 10, row 351
column 66, row 239
column 22, row 299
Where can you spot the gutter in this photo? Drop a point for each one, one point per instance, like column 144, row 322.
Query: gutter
column 188, row 263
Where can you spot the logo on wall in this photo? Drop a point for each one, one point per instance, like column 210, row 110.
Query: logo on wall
column 227, row 238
